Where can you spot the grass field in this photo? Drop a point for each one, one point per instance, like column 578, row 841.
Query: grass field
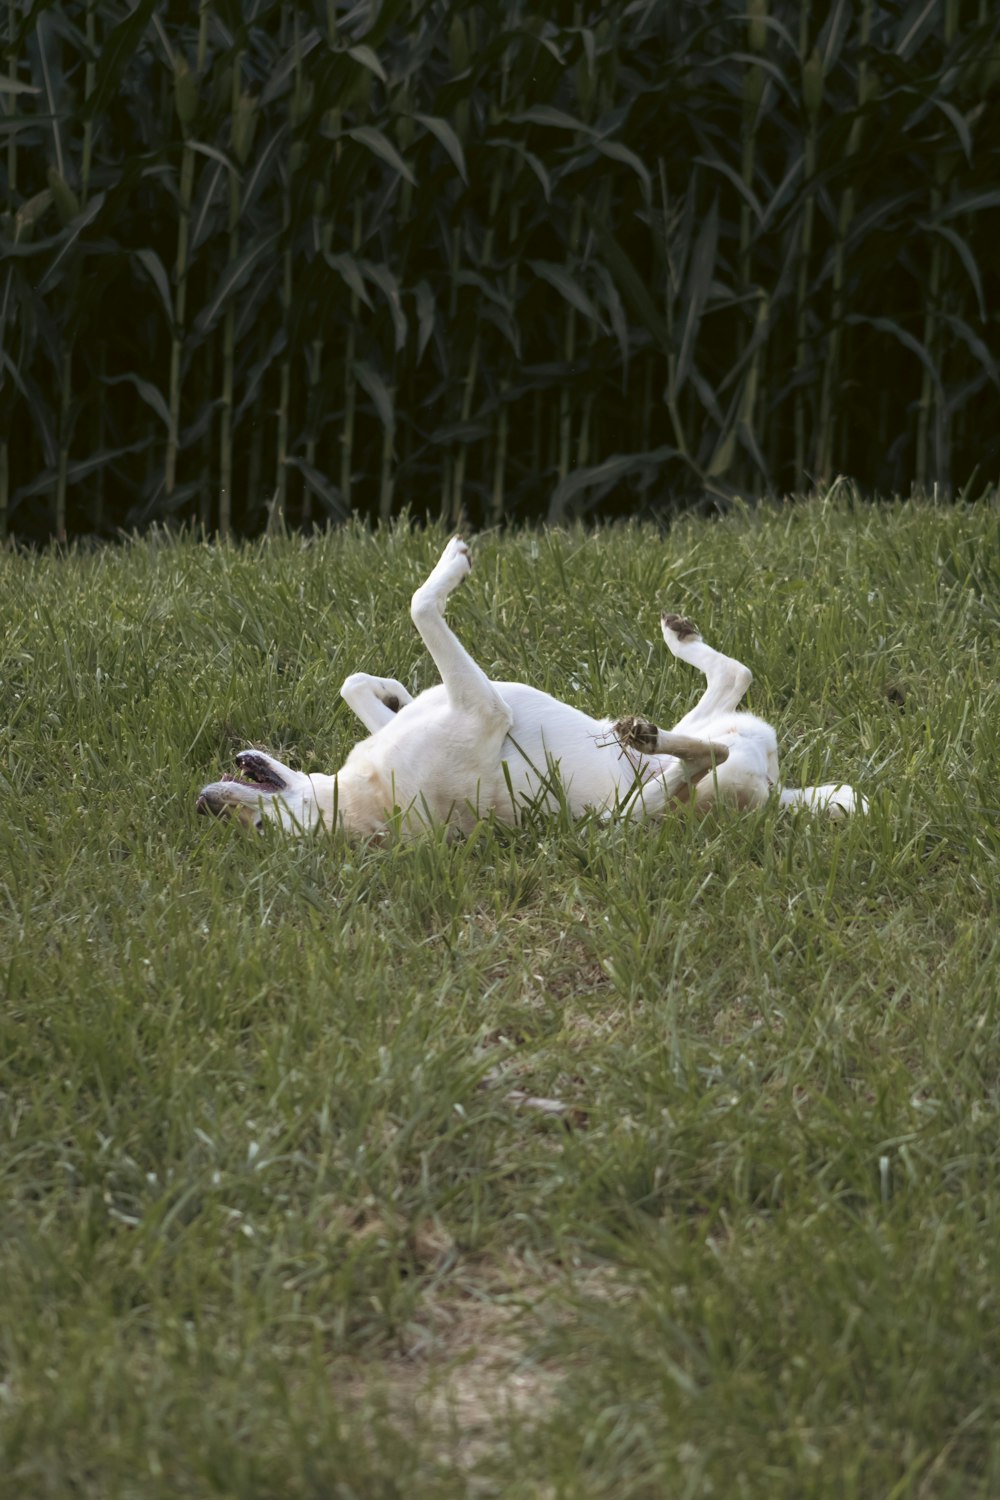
column 282, row 1214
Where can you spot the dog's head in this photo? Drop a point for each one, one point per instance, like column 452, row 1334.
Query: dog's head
column 262, row 788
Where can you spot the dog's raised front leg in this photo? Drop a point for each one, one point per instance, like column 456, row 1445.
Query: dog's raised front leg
column 643, row 735
column 675, row 781
column 466, row 684
column 375, row 700
column 738, row 771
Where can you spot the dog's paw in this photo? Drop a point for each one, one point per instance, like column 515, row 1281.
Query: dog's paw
column 454, row 565
column 636, row 734
column 455, row 562
column 678, row 629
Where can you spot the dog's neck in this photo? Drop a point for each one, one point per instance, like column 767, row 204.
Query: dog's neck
column 352, row 800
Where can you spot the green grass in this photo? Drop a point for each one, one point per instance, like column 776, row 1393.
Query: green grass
column 277, row 1219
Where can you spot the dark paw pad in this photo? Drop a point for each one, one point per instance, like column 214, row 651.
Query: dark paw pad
column 637, row 734
column 683, row 628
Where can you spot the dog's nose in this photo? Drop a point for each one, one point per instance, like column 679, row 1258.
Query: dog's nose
column 209, row 801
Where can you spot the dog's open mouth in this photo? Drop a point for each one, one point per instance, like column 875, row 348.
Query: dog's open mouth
column 257, row 772
column 256, row 776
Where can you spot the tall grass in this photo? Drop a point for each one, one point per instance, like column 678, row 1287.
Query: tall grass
column 577, row 1160
column 490, row 260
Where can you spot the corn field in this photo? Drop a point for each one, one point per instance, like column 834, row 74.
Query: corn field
column 272, row 264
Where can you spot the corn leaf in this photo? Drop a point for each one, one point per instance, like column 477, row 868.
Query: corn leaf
column 117, row 51
column 147, row 391
column 613, row 469
column 154, row 268
column 448, row 139
column 372, row 382
column 567, row 286
column 379, row 144
column 234, row 278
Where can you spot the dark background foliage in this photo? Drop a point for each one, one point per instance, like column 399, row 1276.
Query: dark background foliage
column 272, row 263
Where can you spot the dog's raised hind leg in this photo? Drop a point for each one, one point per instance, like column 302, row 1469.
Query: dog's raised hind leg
column 726, row 680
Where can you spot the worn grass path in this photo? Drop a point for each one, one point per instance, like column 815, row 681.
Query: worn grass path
column 277, row 1217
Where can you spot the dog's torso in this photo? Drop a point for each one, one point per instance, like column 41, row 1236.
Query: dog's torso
column 435, row 764
column 434, row 761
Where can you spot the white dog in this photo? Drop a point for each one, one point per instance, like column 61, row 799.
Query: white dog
column 471, row 746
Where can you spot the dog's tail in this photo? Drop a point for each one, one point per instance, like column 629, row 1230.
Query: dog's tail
column 837, row 801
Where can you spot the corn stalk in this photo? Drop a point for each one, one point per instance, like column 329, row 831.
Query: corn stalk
column 930, row 404
column 866, row 87
column 243, row 122
column 812, row 97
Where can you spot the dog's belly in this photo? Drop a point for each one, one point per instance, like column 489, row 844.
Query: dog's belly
column 552, row 748
column 441, row 763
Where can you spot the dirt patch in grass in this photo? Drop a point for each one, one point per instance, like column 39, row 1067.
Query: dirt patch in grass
column 476, row 1363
